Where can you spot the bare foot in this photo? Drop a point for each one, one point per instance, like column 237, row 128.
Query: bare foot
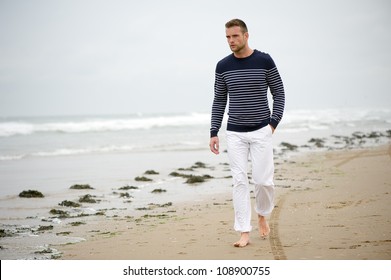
column 264, row 228
column 244, row 240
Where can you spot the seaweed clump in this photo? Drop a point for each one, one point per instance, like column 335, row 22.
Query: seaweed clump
column 44, row 228
column 5, row 233
column 196, row 165
column 87, row 199
column 288, row 146
column 158, row 191
column 151, row 172
column 31, row 193
column 126, row 188
column 199, row 164
column 76, row 224
column 126, row 195
column 68, row 203
column 191, row 179
column 60, row 213
column 81, row 187
column 152, row 206
column 142, row 179
column 318, row 142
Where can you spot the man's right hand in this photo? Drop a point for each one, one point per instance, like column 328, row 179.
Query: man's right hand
column 214, row 145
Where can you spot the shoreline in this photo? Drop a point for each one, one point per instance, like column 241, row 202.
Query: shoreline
column 31, row 228
column 325, row 209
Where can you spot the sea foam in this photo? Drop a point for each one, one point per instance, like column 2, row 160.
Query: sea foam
column 82, row 125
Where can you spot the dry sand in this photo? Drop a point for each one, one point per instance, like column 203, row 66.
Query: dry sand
column 332, row 205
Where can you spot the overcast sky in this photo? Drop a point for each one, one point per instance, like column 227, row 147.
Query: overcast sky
column 121, row 57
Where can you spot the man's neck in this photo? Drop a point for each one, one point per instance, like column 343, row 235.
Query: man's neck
column 246, row 52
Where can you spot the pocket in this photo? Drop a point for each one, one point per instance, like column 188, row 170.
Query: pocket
column 267, row 130
column 271, row 129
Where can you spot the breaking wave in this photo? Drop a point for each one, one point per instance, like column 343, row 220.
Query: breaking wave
column 85, row 125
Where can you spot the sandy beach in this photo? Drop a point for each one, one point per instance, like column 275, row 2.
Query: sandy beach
column 329, row 205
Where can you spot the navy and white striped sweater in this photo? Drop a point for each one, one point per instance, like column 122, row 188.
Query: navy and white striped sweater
column 246, row 81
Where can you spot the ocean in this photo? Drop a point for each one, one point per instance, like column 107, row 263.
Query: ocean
column 47, row 137
column 38, row 141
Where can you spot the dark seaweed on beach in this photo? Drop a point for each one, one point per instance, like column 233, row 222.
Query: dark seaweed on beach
column 152, row 206
column 199, row 164
column 81, row 215
column 374, row 134
column 75, row 224
column 158, row 191
column 319, row 143
column 87, row 199
column 45, row 251
column 81, row 187
column 151, row 172
column 288, row 146
column 359, row 138
column 44, row 228
column 159, row 216
column 186, row 169
column 196, row 165
column 126, row 195
column 60, row 213
column 126, row 188
column 142, row 208
column 168, row 204
column 5, row 233
column 142, row 179
column 176, row 174
column 31, row 193
column 68, row 203
column 64, row 233
column 349, row 141
column 193, row 179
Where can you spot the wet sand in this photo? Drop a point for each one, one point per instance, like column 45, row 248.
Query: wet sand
column 329, row 205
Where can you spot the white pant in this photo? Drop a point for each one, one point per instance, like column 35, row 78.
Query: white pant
column 258, row 144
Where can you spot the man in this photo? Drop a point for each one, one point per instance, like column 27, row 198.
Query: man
column 245, row 77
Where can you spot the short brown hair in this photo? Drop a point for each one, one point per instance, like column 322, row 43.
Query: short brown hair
column 237, row 22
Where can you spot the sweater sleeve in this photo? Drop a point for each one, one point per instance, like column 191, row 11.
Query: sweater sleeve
column 277, row 90
column 219, row 104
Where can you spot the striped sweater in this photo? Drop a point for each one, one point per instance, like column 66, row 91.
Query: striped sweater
column 245, row 81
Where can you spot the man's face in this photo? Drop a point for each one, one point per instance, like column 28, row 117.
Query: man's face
column 236, row 39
